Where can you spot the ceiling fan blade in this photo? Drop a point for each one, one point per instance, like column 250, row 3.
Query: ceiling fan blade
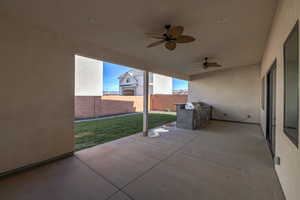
column 155, row 35
column 175, row 31
column 156, row 43
column 170, row 45
column 184, row 39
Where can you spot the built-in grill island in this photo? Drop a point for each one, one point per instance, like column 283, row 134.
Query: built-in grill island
column 196, row 118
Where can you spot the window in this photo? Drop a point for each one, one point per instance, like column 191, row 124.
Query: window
column 263, row 90
column 128, row 80
column 291, row 82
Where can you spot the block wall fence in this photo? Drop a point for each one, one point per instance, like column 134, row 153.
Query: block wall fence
column 97, row 106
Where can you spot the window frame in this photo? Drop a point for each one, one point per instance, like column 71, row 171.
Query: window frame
column 293, row 139
column 263, row 93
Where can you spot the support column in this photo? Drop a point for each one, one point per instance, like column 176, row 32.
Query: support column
column 146, row 103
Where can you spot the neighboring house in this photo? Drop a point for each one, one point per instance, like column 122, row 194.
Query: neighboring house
column 88, row 77
column 131, row 83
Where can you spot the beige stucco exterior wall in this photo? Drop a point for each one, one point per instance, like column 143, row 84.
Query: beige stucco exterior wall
column 289, row 170
column 37, row 94
column 234, row 93
column 88, row 76
column 162, row 84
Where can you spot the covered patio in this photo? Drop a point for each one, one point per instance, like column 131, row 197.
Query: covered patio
column 224, row 161
column 240, row 56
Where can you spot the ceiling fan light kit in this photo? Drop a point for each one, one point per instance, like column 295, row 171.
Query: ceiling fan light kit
column 172, row 36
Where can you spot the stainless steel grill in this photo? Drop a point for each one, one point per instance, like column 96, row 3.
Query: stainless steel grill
column 193, row 119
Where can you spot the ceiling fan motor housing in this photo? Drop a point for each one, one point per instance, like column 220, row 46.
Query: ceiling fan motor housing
column 171, row 37
column 168, row 26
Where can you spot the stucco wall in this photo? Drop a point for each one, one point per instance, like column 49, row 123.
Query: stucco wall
column 140, row 90
column 233, row 93
column 36, row 101
column 162, row 84
column 88, row 76
column 288, row 171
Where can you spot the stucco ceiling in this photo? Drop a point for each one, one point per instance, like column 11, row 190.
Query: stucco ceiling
column 234, row 32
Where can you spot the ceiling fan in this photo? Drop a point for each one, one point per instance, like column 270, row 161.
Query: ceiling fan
column 207, row 64
column 171, row 37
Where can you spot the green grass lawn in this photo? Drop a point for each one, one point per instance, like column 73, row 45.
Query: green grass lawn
column 88, row 134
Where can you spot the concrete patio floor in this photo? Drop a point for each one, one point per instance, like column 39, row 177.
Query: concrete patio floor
column 226, row 161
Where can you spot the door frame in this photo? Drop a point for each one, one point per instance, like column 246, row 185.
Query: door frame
column 271, row 107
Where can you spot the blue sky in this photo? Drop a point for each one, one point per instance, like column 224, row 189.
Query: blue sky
column 179, row 84
column 111, row 73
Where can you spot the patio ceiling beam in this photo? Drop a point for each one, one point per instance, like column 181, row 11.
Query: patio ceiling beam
column 146, row 103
